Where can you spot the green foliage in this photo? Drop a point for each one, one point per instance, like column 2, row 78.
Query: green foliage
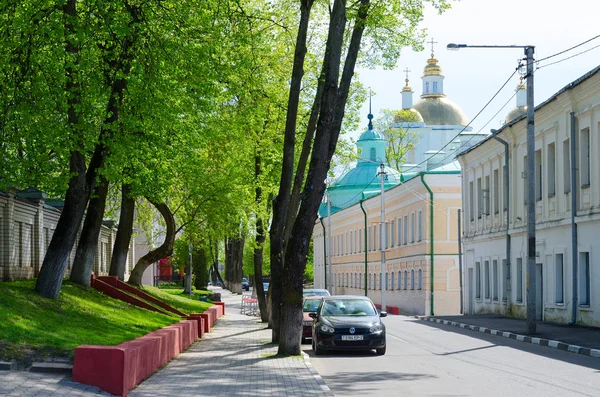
column 401, row 140
column 31, row 326
column 200, row 261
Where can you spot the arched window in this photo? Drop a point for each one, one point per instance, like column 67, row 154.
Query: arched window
column 420, row 279
column 392, row 281
column 427, row 88
column 373, row 154
column 405, row 280
column 386, row 281
column 400, row 280
column 412, row 279
column 435, row 87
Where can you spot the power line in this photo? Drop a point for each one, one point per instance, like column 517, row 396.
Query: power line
column 564, row 59
column 569, row 49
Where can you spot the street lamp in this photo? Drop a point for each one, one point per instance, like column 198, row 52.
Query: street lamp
column 531, row 290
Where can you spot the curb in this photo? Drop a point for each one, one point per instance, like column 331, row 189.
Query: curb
column 316, row 375
column 5, row 366
column 586, row 351
column 51, row 367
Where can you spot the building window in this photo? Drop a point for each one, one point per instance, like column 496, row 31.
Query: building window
column 479, row 199
column 435, row 88
column 496, row 192
column 477, row 280
column 420, row 279
column 419, row 226
column 524, row 173
column 427, row 87
column 538, row 175
column 400, row 280
column 392, row 282
column 393, row 235
column 412, row 227
column 519, row 280
column 387, row 234
column 370, row 281
column 412, row 279
column 405, row 229
column 566, row 167
column 495, row 279
column 373, row 154
column 504, row 279
column 471, row 202
column 551, row 170
column 585, row 157
column 559, row 284
column 486, row 196
column 386, row 281
column 405, row 280
column 399, row 230
column 584, row 278
column 504, row 200
column 486, row 275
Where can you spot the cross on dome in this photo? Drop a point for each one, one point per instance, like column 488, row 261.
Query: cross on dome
column 406, row 71
column 432, row 43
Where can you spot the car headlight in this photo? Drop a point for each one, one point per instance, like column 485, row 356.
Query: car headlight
column 327, row 329
column 376, row 328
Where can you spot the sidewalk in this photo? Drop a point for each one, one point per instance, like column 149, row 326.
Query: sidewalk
column 234, row 359
column 575, row 338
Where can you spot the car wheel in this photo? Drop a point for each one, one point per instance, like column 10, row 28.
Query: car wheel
column 303, row 340
column 381, row 352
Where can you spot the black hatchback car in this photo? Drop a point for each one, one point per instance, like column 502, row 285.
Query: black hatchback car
column 347, row 322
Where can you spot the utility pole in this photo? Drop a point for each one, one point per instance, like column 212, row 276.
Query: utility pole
column 460, row 264
column 330, row 244
column 383, row 238
column 531, row 282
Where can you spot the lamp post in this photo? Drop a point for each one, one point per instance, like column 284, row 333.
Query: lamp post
column 531, row 281
column 383, row 239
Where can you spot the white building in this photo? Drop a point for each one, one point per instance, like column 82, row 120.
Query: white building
column 567, row 270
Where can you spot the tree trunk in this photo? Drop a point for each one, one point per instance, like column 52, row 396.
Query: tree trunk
column 53, row 268
column 280, row 204
column 259, row 247
column 234, row 255
column 165, row 249
column 328, row 128
column 88, row 242
column 124, row 232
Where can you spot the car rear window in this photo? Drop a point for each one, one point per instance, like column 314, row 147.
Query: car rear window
column 311, row 305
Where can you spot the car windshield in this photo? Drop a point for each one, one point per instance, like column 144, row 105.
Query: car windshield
column 311, row 305
column 348, row 307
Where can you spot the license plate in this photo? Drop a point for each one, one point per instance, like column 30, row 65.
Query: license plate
column 352, row 337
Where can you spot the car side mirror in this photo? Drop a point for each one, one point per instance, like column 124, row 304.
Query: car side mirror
column 313, row 315
column 382, row 314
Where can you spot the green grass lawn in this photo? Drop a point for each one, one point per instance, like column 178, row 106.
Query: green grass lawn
column 32, row 327
column 179, row 300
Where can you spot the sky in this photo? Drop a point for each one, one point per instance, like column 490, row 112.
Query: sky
column 472, row 76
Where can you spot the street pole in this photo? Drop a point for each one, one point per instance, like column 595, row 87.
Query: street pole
column 460, row 264
column 383, row 238
column 330, row 244
column 531, row 287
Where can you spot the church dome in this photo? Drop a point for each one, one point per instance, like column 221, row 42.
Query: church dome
column 438, row 110
column 515, row 113
column 371, row 135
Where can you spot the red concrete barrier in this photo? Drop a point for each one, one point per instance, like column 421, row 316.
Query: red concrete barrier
column 198, row 318
column 222, row 305
column 389, row 309
column 117, row 369
column 206, row 317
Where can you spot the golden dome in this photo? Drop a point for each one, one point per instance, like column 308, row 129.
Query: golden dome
column 437, row 110
column 515, row 113
column 432, row 68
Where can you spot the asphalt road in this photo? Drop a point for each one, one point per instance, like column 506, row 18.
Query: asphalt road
column 427, row 359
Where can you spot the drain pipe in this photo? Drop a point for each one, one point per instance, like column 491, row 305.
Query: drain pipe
column 507, row 202
column 324, row 253
column 431, row 270
column 365, row 248
column 573, row 224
